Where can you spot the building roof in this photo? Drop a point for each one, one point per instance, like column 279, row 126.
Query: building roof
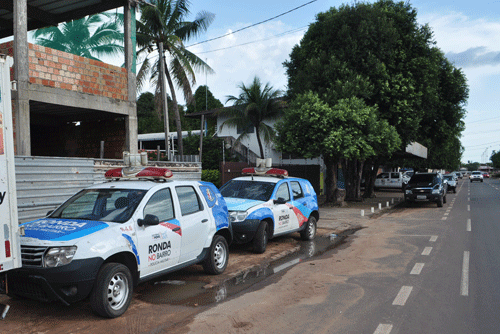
column 43, row 13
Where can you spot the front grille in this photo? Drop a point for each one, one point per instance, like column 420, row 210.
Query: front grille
column 32, row 255
column 421, row 191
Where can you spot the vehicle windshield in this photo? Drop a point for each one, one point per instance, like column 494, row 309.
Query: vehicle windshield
column 448, row 177
column 256, row 190
column 423, row 178
column 476, row 173
column 109, row 205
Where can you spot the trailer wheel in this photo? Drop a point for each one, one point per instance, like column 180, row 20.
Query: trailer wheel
column 112, row 291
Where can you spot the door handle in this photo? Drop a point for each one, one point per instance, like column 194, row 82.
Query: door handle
column 176, row 229
column 204, row 220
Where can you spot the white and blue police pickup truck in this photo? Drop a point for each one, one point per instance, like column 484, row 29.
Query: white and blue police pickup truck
column 267, row 203
column 111, row 236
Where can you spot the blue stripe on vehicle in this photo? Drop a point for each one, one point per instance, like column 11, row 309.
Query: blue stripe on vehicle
column 261, row 213
column 134, row 249
column 61, row 229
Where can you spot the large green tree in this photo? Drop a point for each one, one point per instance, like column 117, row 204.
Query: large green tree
column 380, row 53
column 91, row 37
column 349, row 131
column 495, row 159
column 203, row 100
column 165, row 22
column 256, row 104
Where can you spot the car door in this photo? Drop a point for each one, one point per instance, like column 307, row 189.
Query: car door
column 159, row 245
column 380, row 181
column 396, row 180
column 284, row 218
column 195, row 222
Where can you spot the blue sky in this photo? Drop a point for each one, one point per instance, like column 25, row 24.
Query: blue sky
column 468, row 32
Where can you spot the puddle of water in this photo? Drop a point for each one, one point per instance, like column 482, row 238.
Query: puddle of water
column 192, row 293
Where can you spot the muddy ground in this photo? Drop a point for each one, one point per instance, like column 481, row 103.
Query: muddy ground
column 169, row 299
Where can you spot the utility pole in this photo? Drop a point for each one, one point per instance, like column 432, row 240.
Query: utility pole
column 164, row 98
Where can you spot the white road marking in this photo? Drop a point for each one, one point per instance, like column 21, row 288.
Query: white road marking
column 433, row 238
column 446, row 213
column 383, row 329
column 444, row 218
column 464, row 286
column 469, row 225
column 468, row 198
column 427, row 251
column 402, row 296
column 417, row 268
column 468, row 207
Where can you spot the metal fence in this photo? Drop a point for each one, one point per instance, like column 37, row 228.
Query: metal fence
column 43, row 183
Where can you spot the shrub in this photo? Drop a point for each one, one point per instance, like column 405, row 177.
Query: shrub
column 211, row 175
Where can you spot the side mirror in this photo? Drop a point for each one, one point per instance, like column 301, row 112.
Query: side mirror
column 280, row 200
column 445, row 181
column 149, row 220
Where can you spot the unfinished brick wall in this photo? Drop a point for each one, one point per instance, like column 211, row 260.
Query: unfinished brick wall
column 54, row 68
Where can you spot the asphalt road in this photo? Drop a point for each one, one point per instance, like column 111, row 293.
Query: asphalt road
column 451, row 279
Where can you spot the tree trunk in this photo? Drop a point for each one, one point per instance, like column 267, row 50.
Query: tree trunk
column 331, row 190
column 370, row 178
column 352, row 173
column 257, row 132
column 176, row 111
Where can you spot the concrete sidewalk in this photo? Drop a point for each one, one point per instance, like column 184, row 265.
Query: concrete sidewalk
column 349, row 216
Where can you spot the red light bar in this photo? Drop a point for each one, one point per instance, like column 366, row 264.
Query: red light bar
column 7, row 248
column 148, row 172
column 265, row 172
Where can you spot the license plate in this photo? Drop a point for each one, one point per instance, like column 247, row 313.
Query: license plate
column 421, row 197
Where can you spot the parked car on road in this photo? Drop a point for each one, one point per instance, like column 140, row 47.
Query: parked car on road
column 267, row 203
column 392, row 180
column 486, row 175
column 426, row 187
column 452, row 182
column 109, row 237
column 459, row 174
column 476, row 176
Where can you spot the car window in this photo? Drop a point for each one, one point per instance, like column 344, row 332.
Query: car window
column 383, row 176
column 112, row 205
column 394, row 175
column 296, row 190
column 283, row 192
column 160, row 205
column 476, row 173
column 255, row 190
column 188, row 200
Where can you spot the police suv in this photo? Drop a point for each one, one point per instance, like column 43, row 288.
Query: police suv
column 267, row 203
column 109, row 237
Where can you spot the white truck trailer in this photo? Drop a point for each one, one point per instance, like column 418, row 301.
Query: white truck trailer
column 10, row 251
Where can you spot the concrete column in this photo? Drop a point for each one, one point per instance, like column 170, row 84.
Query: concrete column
column 131, row 121
column 21, row 75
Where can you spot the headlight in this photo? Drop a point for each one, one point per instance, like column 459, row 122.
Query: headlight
column 408, row 192
column 237, row 216
column 58, row 256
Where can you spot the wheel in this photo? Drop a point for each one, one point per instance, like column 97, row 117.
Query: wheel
column 481, row 180
column 309, row 232
column 408, row 204
column 440, row 202
column 112, row 291
column 454, row 190
column 444, row 198
column 217, row 258
column 260, row 240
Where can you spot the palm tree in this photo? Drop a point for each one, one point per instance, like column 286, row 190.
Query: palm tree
column 163, row 21
column 75, row 36
column 251, row 108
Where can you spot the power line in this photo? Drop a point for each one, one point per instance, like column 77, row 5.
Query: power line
column 482, row 132
column 253, row 25
column 494, row 142
column 259, row 40
column 482, row 120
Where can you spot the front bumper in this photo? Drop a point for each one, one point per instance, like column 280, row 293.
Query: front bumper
column 245, row 231
column 422, row 197
column 68, row 283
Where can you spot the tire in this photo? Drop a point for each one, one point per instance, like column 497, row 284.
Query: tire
column 217, row 258
column 454, row 190
column 309, row 232
column 440, row 202
column 112, row 291
column 444, row 198
column 481, row 180
column 260, row 240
